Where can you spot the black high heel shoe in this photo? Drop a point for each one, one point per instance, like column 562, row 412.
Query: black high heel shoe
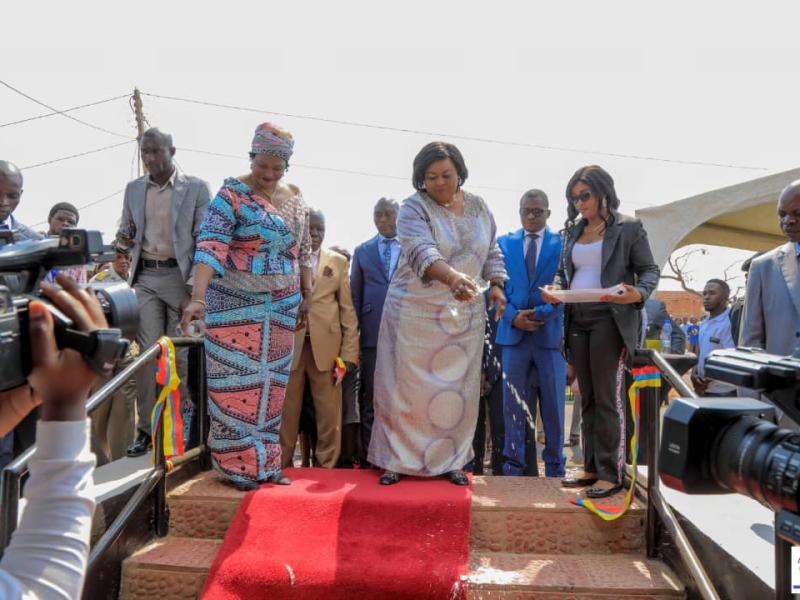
column 389, row 478
column 596, row 492
column 458, row 477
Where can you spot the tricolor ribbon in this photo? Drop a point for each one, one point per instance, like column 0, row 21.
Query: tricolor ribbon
column 339, row 370
column 644, row 377
column 168, row 405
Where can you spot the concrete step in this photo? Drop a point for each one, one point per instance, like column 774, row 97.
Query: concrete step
column 510, row 576
column 509, row 514
column 521, row 514
column 175, row 569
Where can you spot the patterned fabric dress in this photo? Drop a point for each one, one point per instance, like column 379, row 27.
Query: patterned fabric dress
column 427, row 376
column 251, row 311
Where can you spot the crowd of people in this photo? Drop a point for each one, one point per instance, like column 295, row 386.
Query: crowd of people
column 401, row 356
column 405, row 354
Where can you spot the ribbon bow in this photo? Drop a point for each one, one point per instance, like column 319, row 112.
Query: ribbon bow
column 168, row 405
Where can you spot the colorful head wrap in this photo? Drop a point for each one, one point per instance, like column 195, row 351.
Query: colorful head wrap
column 271, row 140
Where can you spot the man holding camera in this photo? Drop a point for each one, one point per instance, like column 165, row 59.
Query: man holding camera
column 161, row 218
column 48, row 554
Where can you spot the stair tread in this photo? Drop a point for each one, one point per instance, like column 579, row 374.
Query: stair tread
column 603, row 573
column 488, row 493
column 543, row 494
column 208, row 485
column 176, row 553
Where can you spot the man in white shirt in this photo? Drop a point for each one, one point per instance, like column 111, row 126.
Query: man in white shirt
column 48, row 553
column 715, row 334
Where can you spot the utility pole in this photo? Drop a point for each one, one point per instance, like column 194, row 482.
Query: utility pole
column 137, row 109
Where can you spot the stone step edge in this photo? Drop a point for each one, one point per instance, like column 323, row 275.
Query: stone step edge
column 597, row 589
column 636, row 511
column 139, row 562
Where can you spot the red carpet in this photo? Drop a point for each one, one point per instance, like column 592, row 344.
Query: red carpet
column 338, row 534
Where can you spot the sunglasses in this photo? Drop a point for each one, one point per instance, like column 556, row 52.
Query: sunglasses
column 583, row 197
column 536, row 212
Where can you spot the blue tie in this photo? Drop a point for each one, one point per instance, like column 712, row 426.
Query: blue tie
column 530, row 255
column 387, row 256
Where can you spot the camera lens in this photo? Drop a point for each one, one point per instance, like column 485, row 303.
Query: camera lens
column 121, row 308
column 755, row 458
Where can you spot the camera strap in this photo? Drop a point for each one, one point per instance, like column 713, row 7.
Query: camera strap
column 101, row 348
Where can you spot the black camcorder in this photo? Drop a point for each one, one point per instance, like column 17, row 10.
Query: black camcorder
column 23, row 265
column 724, row 445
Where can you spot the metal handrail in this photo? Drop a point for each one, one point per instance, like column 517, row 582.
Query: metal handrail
column 155, row 480
column 658, row 510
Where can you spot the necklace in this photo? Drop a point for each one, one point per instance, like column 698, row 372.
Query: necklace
column 449, row 204
column 596, row 229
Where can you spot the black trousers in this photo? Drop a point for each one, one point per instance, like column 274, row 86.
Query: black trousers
column 597, row 353
column 367, row 362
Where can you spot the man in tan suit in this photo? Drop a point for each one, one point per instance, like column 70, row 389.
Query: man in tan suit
column 332, row 331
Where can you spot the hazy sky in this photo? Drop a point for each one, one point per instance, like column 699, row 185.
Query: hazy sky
column 713, row 82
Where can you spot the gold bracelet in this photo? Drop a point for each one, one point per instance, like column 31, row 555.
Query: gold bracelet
column 203, row 302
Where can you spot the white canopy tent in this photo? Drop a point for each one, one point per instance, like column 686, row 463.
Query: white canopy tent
column 739, row 216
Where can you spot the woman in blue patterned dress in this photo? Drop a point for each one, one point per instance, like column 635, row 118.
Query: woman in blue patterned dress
column 252, row 283
column 427, row 376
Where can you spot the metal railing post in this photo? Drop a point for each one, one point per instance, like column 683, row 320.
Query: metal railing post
column 160, row 511
column 10, row 502
column 651, row 420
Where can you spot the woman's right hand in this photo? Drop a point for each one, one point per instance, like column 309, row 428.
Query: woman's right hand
column 463, row 287
column 194, row 311
column 549, row 298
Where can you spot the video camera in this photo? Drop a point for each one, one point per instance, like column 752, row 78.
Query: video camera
column 23, row 265
column 723, row 445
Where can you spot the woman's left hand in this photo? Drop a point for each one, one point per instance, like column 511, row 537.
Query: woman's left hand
column 631, row 296
column 497, row 300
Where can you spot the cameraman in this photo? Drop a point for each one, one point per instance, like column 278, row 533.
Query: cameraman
column 48, row 552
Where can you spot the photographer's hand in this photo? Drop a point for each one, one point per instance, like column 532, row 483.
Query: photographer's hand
column 62, row 378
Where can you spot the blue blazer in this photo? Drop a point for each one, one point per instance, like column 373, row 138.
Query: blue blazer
column 368, row 285
column 522, row 293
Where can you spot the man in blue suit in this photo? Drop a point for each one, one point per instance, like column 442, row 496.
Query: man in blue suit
column 374, row 263
column 530, row 333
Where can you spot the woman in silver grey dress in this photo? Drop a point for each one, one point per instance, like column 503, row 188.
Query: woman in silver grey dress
column 427, row 375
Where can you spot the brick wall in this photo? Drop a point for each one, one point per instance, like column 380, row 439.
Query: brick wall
column 681, row 304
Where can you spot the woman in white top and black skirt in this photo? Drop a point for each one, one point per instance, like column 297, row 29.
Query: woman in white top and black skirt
column 602, row 248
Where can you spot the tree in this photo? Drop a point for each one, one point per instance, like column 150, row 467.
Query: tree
column 679, row 263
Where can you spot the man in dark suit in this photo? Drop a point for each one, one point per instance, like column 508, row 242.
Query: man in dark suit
column 24, row 434
column 161, row 217
column 374, row 263
column 530, row 333
column 10, row 195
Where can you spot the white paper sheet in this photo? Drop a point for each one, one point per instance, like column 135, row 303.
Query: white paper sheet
column 593, row 295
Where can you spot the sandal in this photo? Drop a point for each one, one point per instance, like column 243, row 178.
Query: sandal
column 389, row 478
column 279, row 478
column 458, row 477
column 596, row 492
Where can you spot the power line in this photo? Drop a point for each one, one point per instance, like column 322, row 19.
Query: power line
column 343, row 171
column 90, row 204
column 59, row 112
column 63, row 113
column 455, row 136
column 95, row 151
